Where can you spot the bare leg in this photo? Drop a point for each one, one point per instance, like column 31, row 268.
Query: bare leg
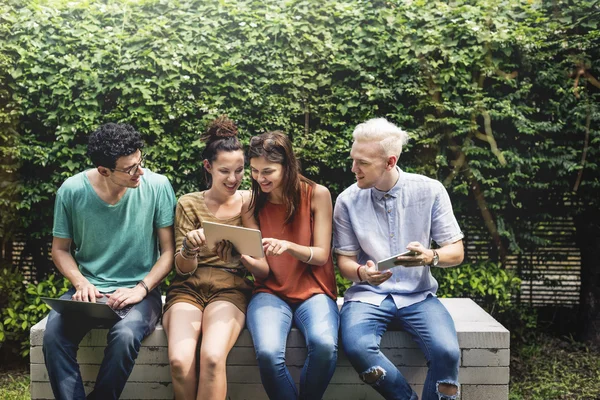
column 221, row 327
column 182, row 323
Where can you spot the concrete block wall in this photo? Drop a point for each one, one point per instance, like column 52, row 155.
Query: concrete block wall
column 484, row 369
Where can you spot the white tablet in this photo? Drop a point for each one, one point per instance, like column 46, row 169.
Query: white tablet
column 245, row 240
column 392, row 262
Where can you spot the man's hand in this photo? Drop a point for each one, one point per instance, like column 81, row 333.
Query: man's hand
column 423, row 257
column 226, row 251
column 369, row 273
column 86, row 292
column 275, row 247
column 123, row 297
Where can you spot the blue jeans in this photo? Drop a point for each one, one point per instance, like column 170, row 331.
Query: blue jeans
column 429, row 324
column 61, row 341
column 269, row 321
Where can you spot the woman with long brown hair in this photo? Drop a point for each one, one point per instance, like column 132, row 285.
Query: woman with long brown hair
column 295, row 218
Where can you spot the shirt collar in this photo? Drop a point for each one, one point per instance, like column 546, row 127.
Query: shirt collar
column 393, row 192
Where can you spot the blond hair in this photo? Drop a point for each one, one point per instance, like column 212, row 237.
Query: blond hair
column 381, row 130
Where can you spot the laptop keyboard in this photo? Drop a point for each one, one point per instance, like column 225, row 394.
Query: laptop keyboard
column 123, row 311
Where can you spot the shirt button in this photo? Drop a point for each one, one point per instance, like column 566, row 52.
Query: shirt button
column 389, row 211
column 391, row 235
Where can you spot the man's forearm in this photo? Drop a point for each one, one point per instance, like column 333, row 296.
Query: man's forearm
column 451, row 255
column 348, row 266
column 67, row 266
column 160, row 270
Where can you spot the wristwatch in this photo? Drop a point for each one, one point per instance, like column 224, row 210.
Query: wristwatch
column 436, row 259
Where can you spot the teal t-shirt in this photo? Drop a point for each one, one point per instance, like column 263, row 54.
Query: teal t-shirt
column 115, row 245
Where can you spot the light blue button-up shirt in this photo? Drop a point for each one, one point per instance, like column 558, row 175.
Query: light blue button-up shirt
column 374, row 225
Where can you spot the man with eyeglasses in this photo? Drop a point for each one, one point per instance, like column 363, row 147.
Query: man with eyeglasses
column 118, row 218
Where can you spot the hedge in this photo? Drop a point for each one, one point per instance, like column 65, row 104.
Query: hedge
column 500, row 97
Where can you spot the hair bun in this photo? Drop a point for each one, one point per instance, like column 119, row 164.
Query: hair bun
column 221, row 127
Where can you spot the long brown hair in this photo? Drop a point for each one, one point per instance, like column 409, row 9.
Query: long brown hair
column 276, row 147
column 221, row 135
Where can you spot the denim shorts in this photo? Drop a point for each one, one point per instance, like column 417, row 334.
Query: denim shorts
column 209, row 284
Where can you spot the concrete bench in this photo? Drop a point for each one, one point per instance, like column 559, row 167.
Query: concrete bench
column 484, row 367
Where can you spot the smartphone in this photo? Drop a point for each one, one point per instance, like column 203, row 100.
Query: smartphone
column 391, row 262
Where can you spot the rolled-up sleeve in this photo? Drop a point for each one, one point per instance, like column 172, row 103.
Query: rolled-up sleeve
column 444, row 226
column 345, row 241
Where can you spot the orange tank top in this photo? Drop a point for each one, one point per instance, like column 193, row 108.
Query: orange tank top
column 291, row 279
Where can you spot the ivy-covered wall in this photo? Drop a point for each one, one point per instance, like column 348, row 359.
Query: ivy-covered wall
column 500, row 96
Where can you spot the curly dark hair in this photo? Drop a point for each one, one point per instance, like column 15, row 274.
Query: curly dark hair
column 111, row 141
column 221, row 135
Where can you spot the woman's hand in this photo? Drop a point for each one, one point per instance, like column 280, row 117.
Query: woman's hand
column 226, row 251
column 275, row 247
column 195, row 239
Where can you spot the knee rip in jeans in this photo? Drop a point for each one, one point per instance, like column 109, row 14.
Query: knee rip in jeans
column 373, row 376
column 451, row 390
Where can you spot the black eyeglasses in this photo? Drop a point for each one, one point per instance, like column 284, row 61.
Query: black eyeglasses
column 133, row 169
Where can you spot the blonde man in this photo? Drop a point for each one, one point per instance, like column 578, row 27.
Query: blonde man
column 385, row 213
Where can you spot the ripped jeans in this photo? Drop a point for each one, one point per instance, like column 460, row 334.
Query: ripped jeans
column 431, row 327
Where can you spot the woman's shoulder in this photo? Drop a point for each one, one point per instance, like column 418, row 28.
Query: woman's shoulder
column 320, row 192
column 318, row 188
column 246, row 194
column 191, row 201
column 246, row 199
column 191, row 198
column 320, row 198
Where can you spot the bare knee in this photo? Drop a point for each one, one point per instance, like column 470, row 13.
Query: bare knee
column 180, row 365
column 373, row 376
column 212, row 360
column 447, row 390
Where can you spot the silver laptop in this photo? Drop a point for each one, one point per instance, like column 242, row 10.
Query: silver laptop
column 99, row 310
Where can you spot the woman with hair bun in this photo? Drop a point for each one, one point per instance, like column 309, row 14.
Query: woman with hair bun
column 210, row 293
column 295, row 218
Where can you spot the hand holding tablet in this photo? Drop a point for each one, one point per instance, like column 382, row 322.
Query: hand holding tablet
column 394, row 261
column 369, row 273
column 226, row 251
column 246, row 241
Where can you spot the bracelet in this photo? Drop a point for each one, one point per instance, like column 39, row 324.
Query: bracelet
column 311, row 255
column 187, row 254
column 358, row 274
column 144, row 286
column 184, row 273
